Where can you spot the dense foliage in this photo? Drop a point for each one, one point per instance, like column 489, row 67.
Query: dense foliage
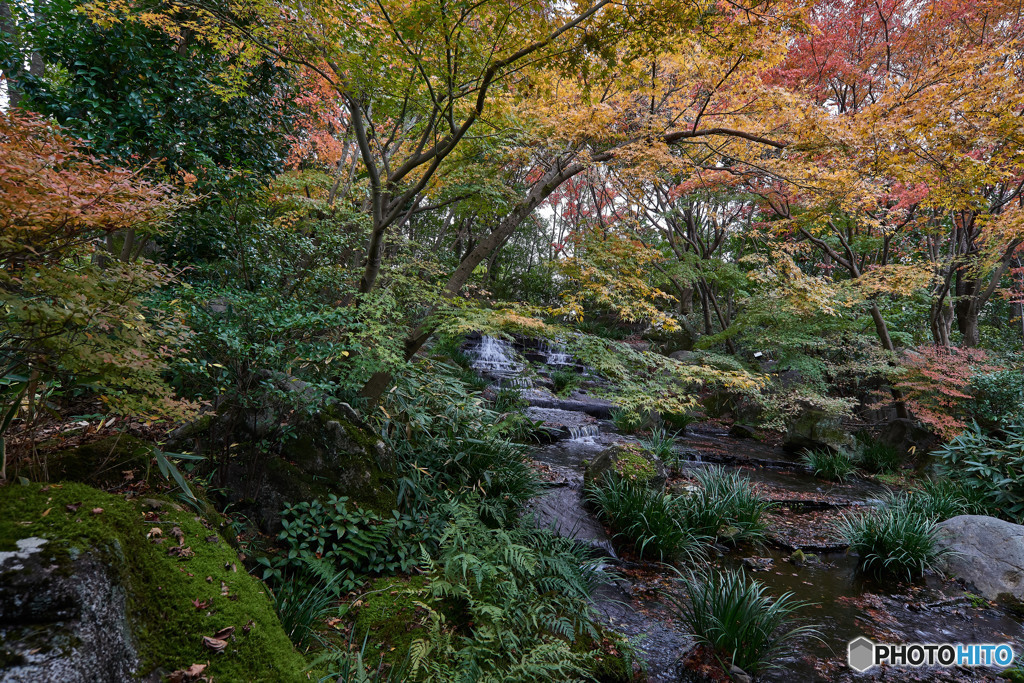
column 261, row 237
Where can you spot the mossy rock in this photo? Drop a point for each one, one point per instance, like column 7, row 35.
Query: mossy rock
column 389, row 618
column 172, row 598
column 630, row 461
column 103, row 463
column 329, row 456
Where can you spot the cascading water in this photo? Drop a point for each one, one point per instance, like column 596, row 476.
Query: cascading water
column 578, row 432
column 495, row 357
column 556, row 355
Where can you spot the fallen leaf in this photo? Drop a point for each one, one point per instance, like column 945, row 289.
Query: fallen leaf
column 248, row 627
column 183, row 553
column 200, row 604
column 179, row 536
column 97, row 511
column 223, row 588
column 46, row 512
column 212, row 539
column 215, row 644
column 225, row 633
column 196, row 670
column 72, row 507
column 154, row 532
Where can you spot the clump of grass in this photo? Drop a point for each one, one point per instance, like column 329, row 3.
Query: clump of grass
column 679, row 421
column 938, row 500
column 734, row 616
column 566, row 381
column 724, row 505
column 892, row 542
column 661, row 443
column 831, row 465
column 881, row 458
column 304, row 601
column 650, row 520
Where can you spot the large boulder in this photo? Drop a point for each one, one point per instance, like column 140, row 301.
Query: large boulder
column 986, row 552
column 61, row 620
column 329, row 454
column 629, row 460
column 95, row 587
column 907, row 434
column 815, row 429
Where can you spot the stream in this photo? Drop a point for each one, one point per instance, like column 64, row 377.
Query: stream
column 846, row 605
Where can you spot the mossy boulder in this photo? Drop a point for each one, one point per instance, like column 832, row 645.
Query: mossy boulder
column 816, row 429
column 630, row 461
column 136, row 591
column 329, row 454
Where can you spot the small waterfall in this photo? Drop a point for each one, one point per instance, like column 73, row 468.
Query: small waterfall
column 556, row 354
column 495, row 356
column 579, row 432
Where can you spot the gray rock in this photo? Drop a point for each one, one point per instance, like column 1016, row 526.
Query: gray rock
column 582, row 403
column 814, row 429
column 986, row 552
column 61, row 620
column 741, row 431
column 738, row 675
column 906, row 434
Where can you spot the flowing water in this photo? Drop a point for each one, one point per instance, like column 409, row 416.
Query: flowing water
column 495, row 357
column 846, row 604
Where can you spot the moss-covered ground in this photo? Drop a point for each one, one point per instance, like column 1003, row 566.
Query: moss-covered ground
column 175, row 597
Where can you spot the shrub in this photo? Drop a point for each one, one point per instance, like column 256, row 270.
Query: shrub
column 661, row 443
column 650, row 520
column 352, row 541
column 831, row 465
column 448, row 445
column 305, row 600
column 989, row 469
column 998, row 397
column 509, row 602
column 724, row 505
column 881, row 458
column 891, row 542
column 566, row 381
column 733, row 616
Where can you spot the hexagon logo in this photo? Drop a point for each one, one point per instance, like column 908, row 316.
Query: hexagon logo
column 861, row 654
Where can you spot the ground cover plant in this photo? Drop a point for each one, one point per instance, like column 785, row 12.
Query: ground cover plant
column 738, row 620
column 892, row 542
column 828, row 464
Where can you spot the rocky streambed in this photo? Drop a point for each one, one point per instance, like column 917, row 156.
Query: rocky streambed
column 847, row 605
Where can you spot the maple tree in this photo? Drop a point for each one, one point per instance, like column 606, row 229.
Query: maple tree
column 68, row 318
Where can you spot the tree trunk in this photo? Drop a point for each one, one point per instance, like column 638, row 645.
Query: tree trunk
column 883, row 335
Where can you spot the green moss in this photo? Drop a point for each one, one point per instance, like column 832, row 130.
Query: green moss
column 161, row 589
column 389, row 616
column 632, row 463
